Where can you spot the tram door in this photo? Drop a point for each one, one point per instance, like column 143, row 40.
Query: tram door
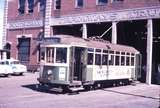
column 79, row 63
column 138, row 66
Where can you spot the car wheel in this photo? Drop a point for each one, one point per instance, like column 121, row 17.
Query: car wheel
column 21, row 74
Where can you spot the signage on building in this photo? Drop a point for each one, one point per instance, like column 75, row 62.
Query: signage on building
column 108, row 16
column 121, row 15
column 25, row 24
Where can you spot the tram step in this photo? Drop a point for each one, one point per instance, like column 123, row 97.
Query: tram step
column 76, row 83
column 57, row 89
column 73, row 89
column 134, row 83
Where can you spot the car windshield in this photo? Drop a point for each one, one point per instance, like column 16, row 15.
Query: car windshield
column 4, row 62
column 15, row 62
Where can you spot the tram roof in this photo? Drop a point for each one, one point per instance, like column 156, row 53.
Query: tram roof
column 77, row 41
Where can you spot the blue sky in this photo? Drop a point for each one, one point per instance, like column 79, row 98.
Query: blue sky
column 1, row 21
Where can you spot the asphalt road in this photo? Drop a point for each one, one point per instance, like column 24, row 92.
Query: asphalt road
column 21, row 92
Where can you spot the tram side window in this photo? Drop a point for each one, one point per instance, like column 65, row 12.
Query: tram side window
column 122, row 60
column 111, row 61
column 98, row 59
column 104, row 59
column 127, row 61
column 132, row 61
column 117, row 60
column 42, row 55
column 90, row 58
column 61, row 55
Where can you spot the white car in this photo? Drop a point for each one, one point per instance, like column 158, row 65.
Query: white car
column 5, row 70
column 17, row 67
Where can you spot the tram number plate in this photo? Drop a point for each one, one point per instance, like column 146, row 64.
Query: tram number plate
column 62, row 72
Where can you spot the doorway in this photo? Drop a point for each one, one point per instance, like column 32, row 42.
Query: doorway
column 79, row 63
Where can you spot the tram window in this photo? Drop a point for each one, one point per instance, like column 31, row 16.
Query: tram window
column 122, row 53
column 127, row 61
column 104, row 59
column 90, row 58
column 97, row 59
column 111, row 61
column 61, row 55
column 128, row 53
column 111, row 52
column 132, row 61
column 117, row 52
column 98, row 50
column 105, row 51
column 42, row 55
column 132, row 54
column 50, row 55
column 117, row 60
column 122, row 61
column 90, row 49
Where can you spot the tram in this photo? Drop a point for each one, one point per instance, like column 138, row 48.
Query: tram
column 73, row 63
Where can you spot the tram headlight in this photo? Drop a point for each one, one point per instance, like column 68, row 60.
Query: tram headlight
column 49, row 74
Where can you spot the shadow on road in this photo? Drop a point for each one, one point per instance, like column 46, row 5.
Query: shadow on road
column 136, row 95
column 35, row 87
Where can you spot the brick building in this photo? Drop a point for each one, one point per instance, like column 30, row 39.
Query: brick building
column 130, row 22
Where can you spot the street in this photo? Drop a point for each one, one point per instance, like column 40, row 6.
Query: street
column 21, row 92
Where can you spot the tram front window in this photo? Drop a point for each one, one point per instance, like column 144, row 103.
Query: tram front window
column 61, row 55
column 50, row 55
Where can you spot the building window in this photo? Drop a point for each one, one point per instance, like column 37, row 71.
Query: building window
column 57, row 4
column 117, row 0
column 102, row 2
column 21, row 8
column 30, row 6
column 42, row 5
column 79, row 3
column 24, row 49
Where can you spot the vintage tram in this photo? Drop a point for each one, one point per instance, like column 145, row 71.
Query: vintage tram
column 72, row 63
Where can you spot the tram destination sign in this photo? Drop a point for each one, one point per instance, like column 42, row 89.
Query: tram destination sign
column 48, row 40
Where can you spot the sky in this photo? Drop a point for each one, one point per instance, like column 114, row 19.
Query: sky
column 1, row 21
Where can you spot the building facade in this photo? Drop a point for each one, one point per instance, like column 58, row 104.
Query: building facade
column 130, row 22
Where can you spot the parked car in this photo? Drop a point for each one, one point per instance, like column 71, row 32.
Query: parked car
column 17, row 67
column 5, row 70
